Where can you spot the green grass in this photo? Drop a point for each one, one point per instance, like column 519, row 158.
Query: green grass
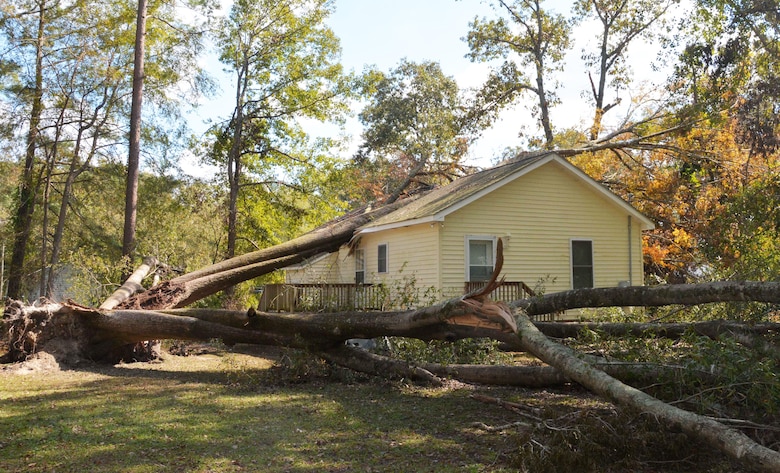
column 232, row 412
column 188, row 414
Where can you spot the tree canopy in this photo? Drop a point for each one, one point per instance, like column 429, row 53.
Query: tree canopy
column 698, row 154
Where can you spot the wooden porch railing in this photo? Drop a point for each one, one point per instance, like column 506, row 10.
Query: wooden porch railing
column 509, row 291
column 320, row 297
column 334, row 297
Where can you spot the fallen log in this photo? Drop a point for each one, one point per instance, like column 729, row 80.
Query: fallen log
column 102, row 330
column 728, row 440
column 651, row 296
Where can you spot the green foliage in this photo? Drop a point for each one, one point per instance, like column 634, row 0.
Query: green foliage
column 467, row 351
column 404, row 293
column 84, row 84
column 414, row 110
column 532, row 39
column 416, row 127
column 180, row 225
column 720, row 378
column 748, row 245
column 747, row 379
column 284, row 60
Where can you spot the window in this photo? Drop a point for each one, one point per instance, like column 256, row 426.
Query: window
column 381, row 258
column 360, row 266
column 581, row 263
column 480, row 258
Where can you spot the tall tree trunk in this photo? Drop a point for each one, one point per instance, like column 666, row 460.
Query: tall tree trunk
column 133, row 158
column 234, row 156
column 24, row 211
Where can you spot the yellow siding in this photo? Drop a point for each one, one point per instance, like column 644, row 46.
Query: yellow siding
column 412, row 253
column 335, row 268
column 537, row 216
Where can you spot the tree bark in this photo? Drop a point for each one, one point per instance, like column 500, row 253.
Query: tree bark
column 133, row 158
column 729, row 441
column 190, row 287
column 24, row 211
column 131, row 286
column 652, row 296
column 710, row 328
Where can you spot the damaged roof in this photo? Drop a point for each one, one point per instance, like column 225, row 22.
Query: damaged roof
column 437, row 203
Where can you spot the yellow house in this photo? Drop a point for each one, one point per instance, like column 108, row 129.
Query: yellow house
column 560, row 230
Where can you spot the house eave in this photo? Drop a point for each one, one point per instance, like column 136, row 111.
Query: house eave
column 307, row 262
column 405, row 223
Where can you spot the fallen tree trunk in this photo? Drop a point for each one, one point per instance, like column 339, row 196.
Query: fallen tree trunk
column 131, row 286
column 651, row 296
column 190, row 287
column 730, row 441
column 462, row 317
column 710, row 328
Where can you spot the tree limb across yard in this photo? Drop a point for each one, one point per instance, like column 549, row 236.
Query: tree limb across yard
column 99, row 331
column 158, row 314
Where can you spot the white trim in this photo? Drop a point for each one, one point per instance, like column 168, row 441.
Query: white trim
column 406, row 223
column 467, row 252
column 387, row 258
column 592, row 260
column 363, row 270
column 307, row 262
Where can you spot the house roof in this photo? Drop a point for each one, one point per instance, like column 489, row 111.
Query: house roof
column 438, row 203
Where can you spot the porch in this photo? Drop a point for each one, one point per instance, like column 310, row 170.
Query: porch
column 335, row 297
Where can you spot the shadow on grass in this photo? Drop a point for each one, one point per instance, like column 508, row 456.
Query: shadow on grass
column 135, row 419
column 231, row 412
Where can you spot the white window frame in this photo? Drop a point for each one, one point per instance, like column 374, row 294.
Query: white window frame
column 592, row 260
column 360, row 265
column 467, row 242
column 387, row 258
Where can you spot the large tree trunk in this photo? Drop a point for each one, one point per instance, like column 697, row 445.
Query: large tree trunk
column 651, row 296
column 23, row 216
column 134, row 154
column 191, row 287
column 101, row 333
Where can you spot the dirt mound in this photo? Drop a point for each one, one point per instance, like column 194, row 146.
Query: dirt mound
column 41, row 362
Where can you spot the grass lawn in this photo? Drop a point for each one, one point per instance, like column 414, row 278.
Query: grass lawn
column 210, row 413
column 231, row 412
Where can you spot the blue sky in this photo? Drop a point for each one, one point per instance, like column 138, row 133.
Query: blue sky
column 382, row 32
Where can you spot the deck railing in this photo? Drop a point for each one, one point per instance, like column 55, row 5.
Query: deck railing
column 509, row 291
column 320, row 297
column 506, row 291
column 334, row 297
